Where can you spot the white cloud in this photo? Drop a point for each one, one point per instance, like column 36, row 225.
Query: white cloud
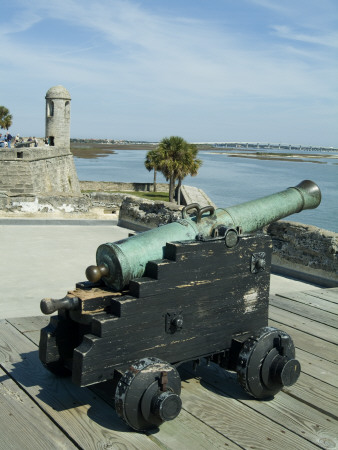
column 326, row 39
column 132, row 57
column 279, row 7
column 153, row 52
column 22, row 21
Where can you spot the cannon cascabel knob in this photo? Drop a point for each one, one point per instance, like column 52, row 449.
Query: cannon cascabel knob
column 50, row 305
column 95, row 273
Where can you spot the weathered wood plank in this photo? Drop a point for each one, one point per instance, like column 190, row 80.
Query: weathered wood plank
column 309, row 326
column 185, row 432
column 311, row 344
column 318, row 368
column 88, row 420
column 284, row 410
column 239, row 421
column 23, row 424
column 210, row 263
column 311, row 300
column 330, row 294
column 30, row 326
column 316, row 393
column 308, row 393
column 304, row 310
column 204, row 332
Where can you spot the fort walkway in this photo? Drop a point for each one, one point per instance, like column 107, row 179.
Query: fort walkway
column 39, row 410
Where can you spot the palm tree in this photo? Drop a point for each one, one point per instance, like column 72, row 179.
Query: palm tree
column 5, row 118
column 177, row 159
column 152, row 162
column 189, row 166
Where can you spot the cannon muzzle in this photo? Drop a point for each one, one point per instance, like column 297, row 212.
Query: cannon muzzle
column 122, row 261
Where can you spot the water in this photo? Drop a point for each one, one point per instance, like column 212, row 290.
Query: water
column 229, row 180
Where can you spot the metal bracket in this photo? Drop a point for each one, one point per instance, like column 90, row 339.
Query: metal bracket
column 199, row 211
column 258, row 262
column 163, row 381
column 173, row 321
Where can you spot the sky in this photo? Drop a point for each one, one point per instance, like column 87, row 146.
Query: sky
column 206, row 70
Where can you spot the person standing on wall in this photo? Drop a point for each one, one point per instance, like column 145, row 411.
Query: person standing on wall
column 9, row 138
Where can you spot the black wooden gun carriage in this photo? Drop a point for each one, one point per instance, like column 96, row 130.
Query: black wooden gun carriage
column 194, row 288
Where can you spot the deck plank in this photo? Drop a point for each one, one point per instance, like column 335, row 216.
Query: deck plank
column 88, row 420
column 284, row 410
column 314, row 345
column 185, row 432
column 306, row 311
column 23, row 424
column 215, row 408
column 30, row 326
column 239, row 420
column 316, row 393
column 189, row 432
column 312, row 300
column 318, row 368
column 330, row 294
column 310, row 389
column 311, row 327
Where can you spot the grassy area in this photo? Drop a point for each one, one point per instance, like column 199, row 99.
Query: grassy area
column 162, row 196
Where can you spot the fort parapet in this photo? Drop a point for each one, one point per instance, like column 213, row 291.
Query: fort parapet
column 38, row 171
column 45, row 170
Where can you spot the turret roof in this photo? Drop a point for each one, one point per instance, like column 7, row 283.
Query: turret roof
column 58, row 92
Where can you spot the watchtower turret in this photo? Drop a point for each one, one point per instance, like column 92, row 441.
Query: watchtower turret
column 58, row 117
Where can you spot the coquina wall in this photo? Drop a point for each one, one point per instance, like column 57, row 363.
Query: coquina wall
column 42, row 171
column 141, row 215
column 305, row 250
column 39, row 171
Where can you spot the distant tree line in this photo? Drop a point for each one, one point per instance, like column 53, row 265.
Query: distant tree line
column 175, row 159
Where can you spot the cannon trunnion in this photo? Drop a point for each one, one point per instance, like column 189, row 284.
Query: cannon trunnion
column 205, row 298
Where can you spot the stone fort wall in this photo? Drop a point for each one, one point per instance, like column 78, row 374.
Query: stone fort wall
column 38, row 171
column 44, row 170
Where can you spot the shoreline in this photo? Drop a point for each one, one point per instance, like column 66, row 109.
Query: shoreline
column 296, row 157
column 94, row 151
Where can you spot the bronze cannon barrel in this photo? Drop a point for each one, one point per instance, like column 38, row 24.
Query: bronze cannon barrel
column 119, row 262
column 256, row 214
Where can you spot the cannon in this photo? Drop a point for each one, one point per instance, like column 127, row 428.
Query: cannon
column 192, row 289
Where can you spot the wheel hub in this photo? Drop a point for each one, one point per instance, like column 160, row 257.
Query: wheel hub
column 166, row 405
column 267, row 363
column 148, row 394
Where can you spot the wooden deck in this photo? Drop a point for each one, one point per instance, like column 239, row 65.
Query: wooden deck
column 41, row 411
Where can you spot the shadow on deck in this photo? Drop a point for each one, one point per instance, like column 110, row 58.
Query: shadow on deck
column 39, row 410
